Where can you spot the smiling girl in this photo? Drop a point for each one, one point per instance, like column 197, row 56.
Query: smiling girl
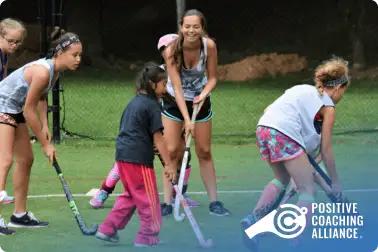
column 191, row 64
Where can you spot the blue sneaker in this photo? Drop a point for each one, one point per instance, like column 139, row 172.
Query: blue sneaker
column 246, row 222
column 99, row 199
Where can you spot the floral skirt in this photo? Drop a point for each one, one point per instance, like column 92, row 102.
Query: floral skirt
column 275, row 146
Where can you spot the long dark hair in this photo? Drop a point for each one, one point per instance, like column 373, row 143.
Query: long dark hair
column 178, row 48
column 151, row 73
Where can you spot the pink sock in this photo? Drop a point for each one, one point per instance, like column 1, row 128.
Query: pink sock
column 111, row 180
column 269, row 196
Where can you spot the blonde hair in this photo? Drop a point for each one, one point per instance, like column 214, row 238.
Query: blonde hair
column 331, row 73
column 10, row 23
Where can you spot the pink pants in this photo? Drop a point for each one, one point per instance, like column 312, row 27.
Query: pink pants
column 140, row 194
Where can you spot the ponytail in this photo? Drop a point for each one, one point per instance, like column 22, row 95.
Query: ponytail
column 150, row 74
column 61, row 44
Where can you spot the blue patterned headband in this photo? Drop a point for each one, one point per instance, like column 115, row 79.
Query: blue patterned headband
column 333, row 83
column 66, row 42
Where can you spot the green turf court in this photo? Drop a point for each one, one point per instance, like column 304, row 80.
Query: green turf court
column 86, row 162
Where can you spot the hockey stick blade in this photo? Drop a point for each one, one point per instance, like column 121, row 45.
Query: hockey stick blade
column 193, row 223
column 71, row 202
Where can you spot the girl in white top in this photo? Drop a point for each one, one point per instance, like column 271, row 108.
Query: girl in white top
column 23, row 100
column 299, row 122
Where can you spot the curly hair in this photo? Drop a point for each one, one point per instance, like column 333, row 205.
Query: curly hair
column 331, row 73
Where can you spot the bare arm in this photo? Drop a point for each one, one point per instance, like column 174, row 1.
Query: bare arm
column 42, row 111
column 212, row 63
column 169, row 171
column 174, row 75
column 38, row 77
column 318, row 158
column 326, row 149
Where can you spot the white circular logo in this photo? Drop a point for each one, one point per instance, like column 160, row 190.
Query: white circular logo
column 290, row 221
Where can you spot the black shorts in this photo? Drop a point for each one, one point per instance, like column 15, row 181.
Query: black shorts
column 12, row 119
column 171, row 110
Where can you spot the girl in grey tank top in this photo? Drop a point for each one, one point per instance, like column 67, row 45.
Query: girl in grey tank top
column 23, row 99
column 191, row 64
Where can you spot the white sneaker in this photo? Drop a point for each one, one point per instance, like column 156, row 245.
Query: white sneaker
column 5, row 198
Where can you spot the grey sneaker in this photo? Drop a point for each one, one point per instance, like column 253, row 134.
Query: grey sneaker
column 217, row 208
column 109, row 238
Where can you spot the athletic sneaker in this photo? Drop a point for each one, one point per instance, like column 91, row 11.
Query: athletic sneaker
column 4, row 230
column 5, row 198
column 99, row 199
column 251, row 244
column 189, row 201
column 109, row 238
column 217, row 208
column 28, row 220
column 166, row 209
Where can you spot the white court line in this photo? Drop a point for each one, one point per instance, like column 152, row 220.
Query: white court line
column 367, row 190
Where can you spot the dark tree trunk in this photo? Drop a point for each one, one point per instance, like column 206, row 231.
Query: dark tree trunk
column 358, row 53
column 180, row 9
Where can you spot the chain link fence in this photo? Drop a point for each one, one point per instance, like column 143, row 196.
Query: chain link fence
column 94, row 99
column 93, row 108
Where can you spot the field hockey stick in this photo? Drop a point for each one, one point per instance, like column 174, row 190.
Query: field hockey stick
column 291, row 190
column 79, row 219
column 193, row 223
column 325, row 183
column 176, row 209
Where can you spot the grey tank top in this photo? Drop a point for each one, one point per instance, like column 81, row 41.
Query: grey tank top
column 192, row 80
column 14, row 88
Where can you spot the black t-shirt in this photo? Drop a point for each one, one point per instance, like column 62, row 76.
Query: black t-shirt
column 140, row 120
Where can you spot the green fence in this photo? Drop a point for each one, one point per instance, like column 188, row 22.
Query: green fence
column 93, row 103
